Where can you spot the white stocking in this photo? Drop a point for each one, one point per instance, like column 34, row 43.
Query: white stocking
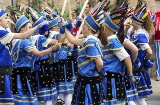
column 141, row 101
column 54, row 101
column 48, row 102
column 67, row 99
column 131, row 103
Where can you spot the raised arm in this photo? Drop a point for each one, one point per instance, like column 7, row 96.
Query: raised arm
column 62, row 38
column 38, row 53
column 73, row 40
column 29, row 32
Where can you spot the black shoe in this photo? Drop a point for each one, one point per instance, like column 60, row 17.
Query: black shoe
column 60, row 100
column 59, row 103
column 157, row 79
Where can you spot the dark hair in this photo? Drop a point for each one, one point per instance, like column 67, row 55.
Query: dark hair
column 24, row 26
column 48, row 33
column 89, row 5
column 120, row 34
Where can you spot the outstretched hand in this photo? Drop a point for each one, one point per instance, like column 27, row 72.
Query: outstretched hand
column 57, row 46
column 45, row 22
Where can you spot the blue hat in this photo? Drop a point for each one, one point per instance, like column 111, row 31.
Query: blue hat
column 40, row 20
column 42, row 14
column 137, row 20
column 140, row 13
column 54, row 22
column 35, row 16
column 55, row 13
column 90, row 21
column 110, row 24
column 21, row 21
column 2, row 13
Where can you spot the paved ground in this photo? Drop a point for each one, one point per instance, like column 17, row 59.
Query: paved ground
column 154, row 99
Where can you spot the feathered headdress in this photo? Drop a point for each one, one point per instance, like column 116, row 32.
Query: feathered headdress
column 17, row 17
column 47, row 11
column 118, row 15
column 37, row 18
column 152, row 16
column 140, row 13
column 97, row 14
column 34, row 16
column 15, row 13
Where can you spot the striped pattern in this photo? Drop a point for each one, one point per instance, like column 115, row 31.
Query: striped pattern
column 157, row 56
column 152, row 15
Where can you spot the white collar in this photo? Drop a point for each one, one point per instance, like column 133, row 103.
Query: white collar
column 112, row 36
column 141, row 31
column 90, row 36
column 1, row 28
column 54, row 32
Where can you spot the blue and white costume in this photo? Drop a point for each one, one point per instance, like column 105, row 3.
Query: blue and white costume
column 140, row 39
column 88, row 87
column 5, row 67
column 44, row 75
column 21, row 77
column 63, row 68
column 114, row 83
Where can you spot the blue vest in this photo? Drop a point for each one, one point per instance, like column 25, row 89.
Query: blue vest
column 139, row 38
column 111, row 63
column 22, row 57
column 90, row 49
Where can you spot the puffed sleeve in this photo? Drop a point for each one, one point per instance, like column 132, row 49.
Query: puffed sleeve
column 142, row 39
column 45, row 41
column 118, row 49
column 28, row 46
column 5, row 37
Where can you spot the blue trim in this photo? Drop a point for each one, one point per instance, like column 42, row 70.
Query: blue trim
column 2, row 12
column 40, row 20
column 110, row 23
column 92, row 23
column 22, row 20
column 134, row 18
column 54, row 22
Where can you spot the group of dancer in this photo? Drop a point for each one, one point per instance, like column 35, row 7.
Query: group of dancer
column 108, row 66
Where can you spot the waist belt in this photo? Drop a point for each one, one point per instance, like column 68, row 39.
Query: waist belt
column 5, row 69
column 140, row 69
column 113, row 75
column 89, row 80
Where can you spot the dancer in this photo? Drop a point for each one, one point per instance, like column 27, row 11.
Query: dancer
column 22, row 63
column 5, row 60
column 142, row 23
column 115, row 59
